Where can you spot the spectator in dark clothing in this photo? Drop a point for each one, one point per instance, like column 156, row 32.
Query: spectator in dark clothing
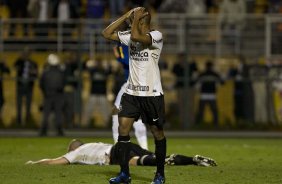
column 98, row 92
column 18, row 9
column 118, row 76
column 40, row 11
column 73, row 8
column 64, row 11
column 243, row 92
column 52, row 84
column 71, row 93
column 3, row 69
column 208, row 81
column 26, row 75
column 171, row 6
column 155, row 4
column 184, row 94
column 95, row 9
column 116, row 7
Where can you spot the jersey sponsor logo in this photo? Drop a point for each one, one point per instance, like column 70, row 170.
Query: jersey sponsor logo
column 137, row 88
column 157, row 41
column 139, row 56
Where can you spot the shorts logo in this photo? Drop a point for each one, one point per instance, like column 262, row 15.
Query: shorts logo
column 156, row 119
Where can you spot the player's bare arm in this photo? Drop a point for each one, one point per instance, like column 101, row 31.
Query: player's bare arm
column 140, row 29
column 110, row 32
column 47, row 161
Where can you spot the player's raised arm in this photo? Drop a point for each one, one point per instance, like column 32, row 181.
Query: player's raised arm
column 110, row 32
column 141, row 26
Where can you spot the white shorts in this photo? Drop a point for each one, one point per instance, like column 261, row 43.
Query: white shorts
column 120, row 93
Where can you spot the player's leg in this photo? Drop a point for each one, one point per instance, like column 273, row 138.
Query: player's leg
column 125, row 125
column 153, row 114
column 138, row 156
column 115, row 124
column 127, row 115
column 115, row 113
column 141, row 133
column 160, row 148
column 204, row 161
column 175, row 159
column 123, row 150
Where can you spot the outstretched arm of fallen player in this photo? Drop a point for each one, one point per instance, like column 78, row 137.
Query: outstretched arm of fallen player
column 47, row 161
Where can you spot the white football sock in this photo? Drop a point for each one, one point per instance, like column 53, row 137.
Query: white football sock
column 141, row 133
column 115, row 127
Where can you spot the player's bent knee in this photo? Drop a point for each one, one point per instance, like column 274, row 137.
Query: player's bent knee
column 125, row 125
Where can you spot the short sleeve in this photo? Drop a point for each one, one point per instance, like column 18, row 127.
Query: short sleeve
column 124, row 37
column 157, row 39
column 71, row 156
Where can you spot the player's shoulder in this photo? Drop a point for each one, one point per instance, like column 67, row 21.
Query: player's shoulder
column 157, row 36
column 155, row 32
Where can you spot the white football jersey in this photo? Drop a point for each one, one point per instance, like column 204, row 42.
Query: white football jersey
column 91, row 154
column 144, row 74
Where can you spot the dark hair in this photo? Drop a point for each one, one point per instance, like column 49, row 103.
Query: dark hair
column 75, row 143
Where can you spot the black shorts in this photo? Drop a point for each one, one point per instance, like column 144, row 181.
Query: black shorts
column 151, row 109
column 135, row 150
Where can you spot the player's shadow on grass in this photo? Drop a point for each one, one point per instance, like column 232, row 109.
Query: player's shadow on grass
column 110, row 174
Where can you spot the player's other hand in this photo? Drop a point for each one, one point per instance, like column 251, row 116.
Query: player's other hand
column 140, row 12
column 130, row 13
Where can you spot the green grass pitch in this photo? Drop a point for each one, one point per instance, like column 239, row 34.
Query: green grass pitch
column 242, row 161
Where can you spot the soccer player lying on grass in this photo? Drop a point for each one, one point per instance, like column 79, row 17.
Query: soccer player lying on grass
column 106, row 154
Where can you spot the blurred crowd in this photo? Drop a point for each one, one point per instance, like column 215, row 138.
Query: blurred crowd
column 73, row 9
column 196, row 84
column 61, row 77
column 232, row 13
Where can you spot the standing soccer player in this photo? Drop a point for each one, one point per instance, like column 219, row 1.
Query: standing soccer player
column 143, row 94
column 122, row 55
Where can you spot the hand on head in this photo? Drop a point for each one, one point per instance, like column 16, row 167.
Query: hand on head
column 140, row 12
